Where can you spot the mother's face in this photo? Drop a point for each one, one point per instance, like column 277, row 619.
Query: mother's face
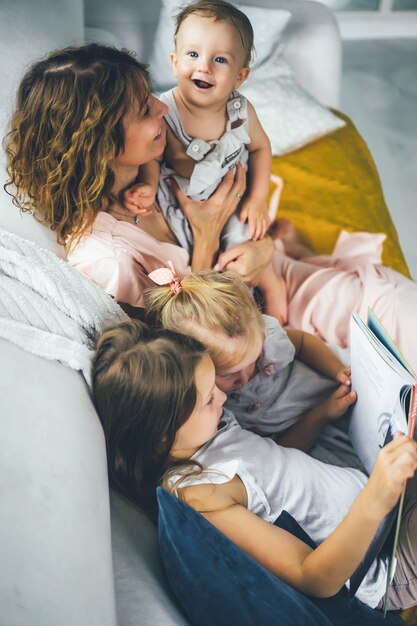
column 144, row 133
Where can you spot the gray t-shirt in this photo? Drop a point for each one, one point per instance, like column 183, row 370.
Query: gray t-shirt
column 283, row 389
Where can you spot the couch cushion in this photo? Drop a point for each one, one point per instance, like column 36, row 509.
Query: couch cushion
column 216, row 582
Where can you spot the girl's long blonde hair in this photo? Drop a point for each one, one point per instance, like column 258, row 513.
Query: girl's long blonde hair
column 210, row 307
column 67, row 124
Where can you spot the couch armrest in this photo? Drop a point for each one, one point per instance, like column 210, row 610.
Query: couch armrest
column 55, row 545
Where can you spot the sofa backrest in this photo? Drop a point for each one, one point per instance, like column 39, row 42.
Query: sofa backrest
column 28, row 30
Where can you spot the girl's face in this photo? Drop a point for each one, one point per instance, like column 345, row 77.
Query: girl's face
column 202, row 424
column 240, row 374
column 144, row 133
column 208, row 61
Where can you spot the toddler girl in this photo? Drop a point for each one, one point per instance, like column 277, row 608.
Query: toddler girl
column 210, row 128
column 162, row 415
column 281, row 383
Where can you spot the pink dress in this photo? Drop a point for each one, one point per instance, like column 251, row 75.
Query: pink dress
column 323, row 292
column 118, row 257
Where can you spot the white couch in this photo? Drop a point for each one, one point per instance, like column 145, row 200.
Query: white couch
column 70, row 554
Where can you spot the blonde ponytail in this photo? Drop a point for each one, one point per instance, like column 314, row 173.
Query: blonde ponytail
column 209, row 307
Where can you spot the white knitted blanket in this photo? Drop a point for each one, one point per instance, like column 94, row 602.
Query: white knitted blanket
column 49, row 308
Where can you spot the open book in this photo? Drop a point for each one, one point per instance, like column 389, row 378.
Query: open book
column 387, row 403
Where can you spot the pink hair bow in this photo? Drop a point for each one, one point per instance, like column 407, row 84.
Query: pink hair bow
column 167, row 276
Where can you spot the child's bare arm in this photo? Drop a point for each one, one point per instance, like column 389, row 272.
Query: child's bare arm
column 176, row 157
column 315, row 353
column 305, row 432
column 323, row 571
column 255, row 207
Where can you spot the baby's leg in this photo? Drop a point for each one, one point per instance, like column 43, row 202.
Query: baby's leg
column 274, row 293
column 287, row 232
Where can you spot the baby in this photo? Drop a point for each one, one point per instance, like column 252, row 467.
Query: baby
column 210, row 128
column 288, row 385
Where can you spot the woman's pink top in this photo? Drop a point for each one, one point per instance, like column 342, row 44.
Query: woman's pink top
column 118, row 257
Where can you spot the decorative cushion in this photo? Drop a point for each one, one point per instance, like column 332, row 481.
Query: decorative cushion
column 290, row 116
column 217, row 583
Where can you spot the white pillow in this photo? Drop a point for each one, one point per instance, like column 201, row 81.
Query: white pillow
column 267, row 24
column 289, row 115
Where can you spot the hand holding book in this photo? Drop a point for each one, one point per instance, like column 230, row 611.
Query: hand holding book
column 387, row 404
column 395, row 464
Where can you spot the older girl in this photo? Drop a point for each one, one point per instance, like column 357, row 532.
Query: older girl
column 161, row 410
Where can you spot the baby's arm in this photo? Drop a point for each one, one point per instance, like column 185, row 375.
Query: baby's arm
column 255, row 208
column 323, row 571
column 315, row 353
column 140, row 197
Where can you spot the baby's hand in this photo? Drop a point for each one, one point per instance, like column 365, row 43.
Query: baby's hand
column 139, row 198
column 395, row 463
column 338, row 403
column 343, row 376
column 258, row 217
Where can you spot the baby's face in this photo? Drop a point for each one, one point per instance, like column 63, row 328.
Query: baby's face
column 238, row 375
column 209, row 60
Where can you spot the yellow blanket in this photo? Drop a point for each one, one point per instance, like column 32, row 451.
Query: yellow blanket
column 332, row 184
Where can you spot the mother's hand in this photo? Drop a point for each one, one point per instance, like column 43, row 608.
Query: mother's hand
column 208, row 217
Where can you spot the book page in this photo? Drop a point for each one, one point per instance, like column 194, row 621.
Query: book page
column 379, row 384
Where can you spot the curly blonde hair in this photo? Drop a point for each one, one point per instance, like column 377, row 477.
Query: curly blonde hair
column 210, row 307
column 67, row 124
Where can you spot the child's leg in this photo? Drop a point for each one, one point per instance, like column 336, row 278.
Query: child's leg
column 274, row 293
column 287, row 232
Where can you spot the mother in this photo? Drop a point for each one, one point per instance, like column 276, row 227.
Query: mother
column 84, row 123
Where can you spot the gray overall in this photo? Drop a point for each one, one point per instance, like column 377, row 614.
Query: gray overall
column 213, row 161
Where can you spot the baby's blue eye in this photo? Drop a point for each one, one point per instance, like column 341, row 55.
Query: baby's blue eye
column 220, row 60
column 193, row 54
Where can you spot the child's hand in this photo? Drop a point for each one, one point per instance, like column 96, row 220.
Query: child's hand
column 396, row 462
column 258, row 217
column 338, row 403
column 139, row 198
column 343, row 376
